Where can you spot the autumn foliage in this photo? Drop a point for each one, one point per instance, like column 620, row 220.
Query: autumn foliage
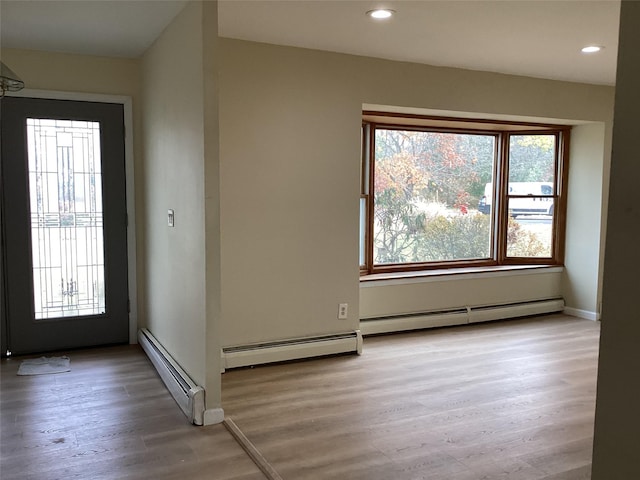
column 426, row 190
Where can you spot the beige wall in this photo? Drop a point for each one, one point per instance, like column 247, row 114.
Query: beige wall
column 290, row 141
column 173, row 179
column 456, row 291
column 289, row 193
column 580, row 285
column 180, row 171
column 74, row 73
column 450, row 89
column 616, row 439
column 210, row 61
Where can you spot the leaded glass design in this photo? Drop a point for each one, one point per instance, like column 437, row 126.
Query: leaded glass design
column 65, row 188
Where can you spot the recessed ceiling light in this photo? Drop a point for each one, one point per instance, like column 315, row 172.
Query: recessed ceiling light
column 591, row 49
column 380, row 13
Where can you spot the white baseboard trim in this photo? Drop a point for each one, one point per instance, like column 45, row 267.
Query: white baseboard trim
column 413, row 322
column 291, row 349
column 586, row 314
column 213, row 416
column 189, row 396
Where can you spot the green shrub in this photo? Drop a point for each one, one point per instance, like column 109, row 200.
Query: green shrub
column 523, row 243
column 459, row 237
column 436, row 237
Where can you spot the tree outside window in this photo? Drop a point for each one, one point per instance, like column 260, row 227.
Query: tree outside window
column 444, row 197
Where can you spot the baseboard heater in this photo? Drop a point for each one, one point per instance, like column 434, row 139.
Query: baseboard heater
column 292, row 349
column 187, row 394
column 458, row 316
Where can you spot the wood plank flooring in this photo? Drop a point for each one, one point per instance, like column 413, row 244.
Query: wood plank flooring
column 506, row 400
column 109, row 418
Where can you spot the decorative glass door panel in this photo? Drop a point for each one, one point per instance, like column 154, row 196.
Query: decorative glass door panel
column 64, row 217
column 67, row 241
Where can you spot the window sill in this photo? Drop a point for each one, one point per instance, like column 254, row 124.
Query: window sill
column 424, row 276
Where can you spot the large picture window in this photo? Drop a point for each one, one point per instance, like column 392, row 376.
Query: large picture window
column 446, row 193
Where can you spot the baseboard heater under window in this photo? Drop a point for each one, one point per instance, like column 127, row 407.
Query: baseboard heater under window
column 188, row 395
column 292, row 349
column 458, row 316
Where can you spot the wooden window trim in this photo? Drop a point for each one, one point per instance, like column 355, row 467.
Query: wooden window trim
column 373, row 120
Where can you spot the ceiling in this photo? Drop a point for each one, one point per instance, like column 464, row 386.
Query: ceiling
column 94, row 27
column 539, row 38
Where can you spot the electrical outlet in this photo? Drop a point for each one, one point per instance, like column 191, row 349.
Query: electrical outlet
column 170, row 218
column 343, row 311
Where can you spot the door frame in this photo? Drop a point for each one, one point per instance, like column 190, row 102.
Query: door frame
column 127, row 104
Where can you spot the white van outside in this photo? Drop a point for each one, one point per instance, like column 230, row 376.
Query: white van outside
column 523, row 206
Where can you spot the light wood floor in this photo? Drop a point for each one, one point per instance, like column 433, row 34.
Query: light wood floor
column 507, row 400
column 109, row 418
